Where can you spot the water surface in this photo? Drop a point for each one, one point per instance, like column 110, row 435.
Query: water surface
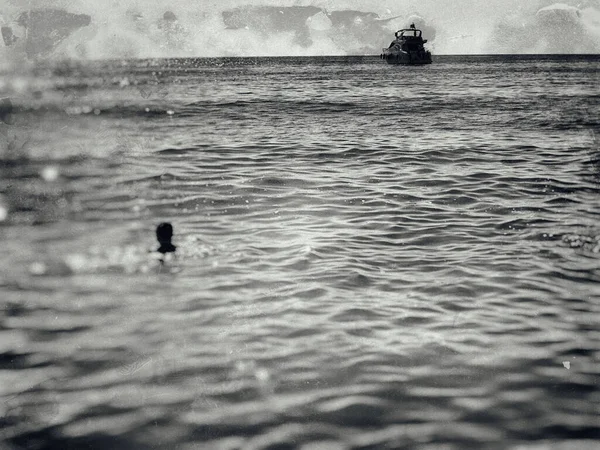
column 369, row 256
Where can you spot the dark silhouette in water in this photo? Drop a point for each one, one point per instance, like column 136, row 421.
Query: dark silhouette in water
column 164, row 234
column 6, row 109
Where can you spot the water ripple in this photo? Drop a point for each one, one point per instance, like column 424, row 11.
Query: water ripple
column 357, row 267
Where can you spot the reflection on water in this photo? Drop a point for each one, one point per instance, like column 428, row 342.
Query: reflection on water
column 367, row 256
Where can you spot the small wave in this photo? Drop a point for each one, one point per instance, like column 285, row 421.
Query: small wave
column 523, row 224
column 356, row 314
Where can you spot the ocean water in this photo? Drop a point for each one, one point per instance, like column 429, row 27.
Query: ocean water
column 369, row 256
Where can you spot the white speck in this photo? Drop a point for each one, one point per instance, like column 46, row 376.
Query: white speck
column 124, row 82
column 262, row 375
column 3, row 209
column 38, row 268
column 76, row 262
column 567, row 365
column 50, row 173
column 147, row 110
column 243, row 367
column 170, row 112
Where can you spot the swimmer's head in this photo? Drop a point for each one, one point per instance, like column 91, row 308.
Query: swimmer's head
column 164, row 234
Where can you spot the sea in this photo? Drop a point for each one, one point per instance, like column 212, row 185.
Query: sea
column 368, row 256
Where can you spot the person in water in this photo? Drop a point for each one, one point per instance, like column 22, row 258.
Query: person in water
column 164, row 234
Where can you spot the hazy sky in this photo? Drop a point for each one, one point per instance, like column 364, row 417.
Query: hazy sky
column 462, row 26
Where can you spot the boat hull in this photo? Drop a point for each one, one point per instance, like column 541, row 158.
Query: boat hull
column 407, row 58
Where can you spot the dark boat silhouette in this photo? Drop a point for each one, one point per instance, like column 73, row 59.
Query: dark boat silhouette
column 407, row 48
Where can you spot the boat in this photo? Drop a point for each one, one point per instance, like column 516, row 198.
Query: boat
column 407, row 48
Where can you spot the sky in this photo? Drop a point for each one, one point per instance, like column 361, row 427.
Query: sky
column 132, row 28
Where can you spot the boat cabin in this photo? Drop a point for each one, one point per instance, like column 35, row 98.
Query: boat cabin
column 407, row 48
column 411, row 38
